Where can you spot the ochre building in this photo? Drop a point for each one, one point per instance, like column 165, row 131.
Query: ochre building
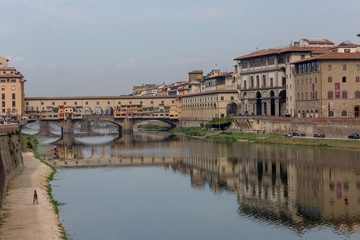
column 328, row 85
column 12, row 90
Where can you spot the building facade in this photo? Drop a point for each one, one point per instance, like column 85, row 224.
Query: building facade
column 208, row 105
column 265, row 79
column 12, row 90
column 328, row 86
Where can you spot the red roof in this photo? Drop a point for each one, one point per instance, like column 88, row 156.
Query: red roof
column 220, row 75
column 318, row 41
column 332, row 56
column 278, row 51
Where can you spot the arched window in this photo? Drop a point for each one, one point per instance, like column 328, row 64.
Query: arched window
column 330, row 95
column 257, row 82
column 344, row 79
column 329, row 79
column 264, row 80
column 357, row 94
column 252, row 82
column 343, row 113
column 331, row 113
column 344, row 94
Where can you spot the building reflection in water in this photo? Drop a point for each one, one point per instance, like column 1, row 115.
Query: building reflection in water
column 299, row 188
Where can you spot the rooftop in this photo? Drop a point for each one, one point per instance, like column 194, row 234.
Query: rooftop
column 318, row 41
column 279, row 51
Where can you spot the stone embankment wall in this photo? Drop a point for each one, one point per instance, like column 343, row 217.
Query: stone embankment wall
column 337, row 128
column 11, row 160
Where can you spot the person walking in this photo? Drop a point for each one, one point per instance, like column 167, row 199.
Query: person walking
column 35, row 199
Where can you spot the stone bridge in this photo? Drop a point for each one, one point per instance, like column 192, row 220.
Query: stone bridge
column 124, row 124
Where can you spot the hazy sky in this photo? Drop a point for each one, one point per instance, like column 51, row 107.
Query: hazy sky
column 105, row 47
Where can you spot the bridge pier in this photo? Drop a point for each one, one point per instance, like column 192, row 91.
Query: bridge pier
column 68, row 127
column 128, row 125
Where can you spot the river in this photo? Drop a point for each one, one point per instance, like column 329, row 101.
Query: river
column 160, row 186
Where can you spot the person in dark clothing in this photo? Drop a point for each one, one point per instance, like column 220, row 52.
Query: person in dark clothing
column 35, row 199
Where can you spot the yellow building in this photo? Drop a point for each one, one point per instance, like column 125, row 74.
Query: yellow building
column 208, row 105
column 12, row 90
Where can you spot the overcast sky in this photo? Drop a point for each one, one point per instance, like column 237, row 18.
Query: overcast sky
column 105, row 47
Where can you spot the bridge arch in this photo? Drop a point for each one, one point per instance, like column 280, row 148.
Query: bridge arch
column 87, row 111
column 98, row 111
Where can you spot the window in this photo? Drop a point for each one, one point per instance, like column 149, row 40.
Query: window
column 140, row 102
column 152, row 102
column 331, row 113
column 271, row 60
column 3, row 96
column 344, row 67
column 64, row 103
column 13, row 96
column 358, row 67
column 42, row 103
column 330, row 95
column 97, row 103
column 222, row 98
column 329, row 79
column 357, row 79
column 271, row 82
column 3, row 104
column 244, row 84
column 344, row 94
column 53, row 103
column 329, row 67
column 244, row 64
column 86, row 103
column 344, row 78
column 343, row 113
column 162, row 102
column 347, row 50
column 13, row 80
column 75, row 103
column 3, row 88
column 130, row 102
column 232, row 98
column 13, row 103
column 108, row 102
column 357, row 94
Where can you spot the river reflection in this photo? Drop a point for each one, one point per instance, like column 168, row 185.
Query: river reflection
column 282, row 186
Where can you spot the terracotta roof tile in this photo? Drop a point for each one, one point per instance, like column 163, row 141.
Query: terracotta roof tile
column 220, row 75
column 278, row 51
column 318, row 41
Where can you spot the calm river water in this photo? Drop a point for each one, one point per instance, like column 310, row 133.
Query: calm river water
column 159, row 186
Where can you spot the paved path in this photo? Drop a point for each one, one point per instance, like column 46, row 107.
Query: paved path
column 20, row 218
